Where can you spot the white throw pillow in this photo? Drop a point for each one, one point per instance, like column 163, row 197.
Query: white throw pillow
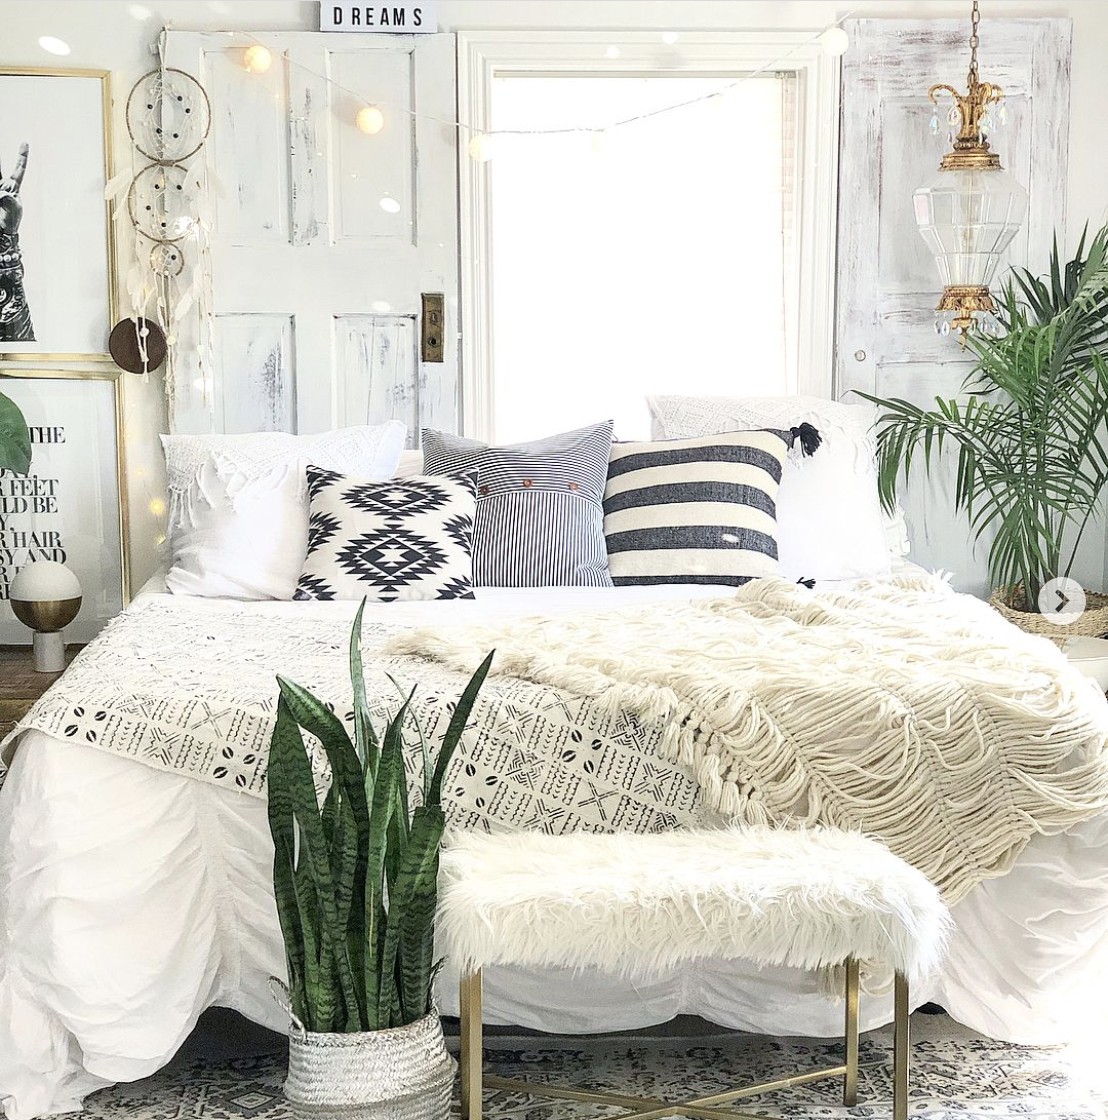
column 238, row 505
column 411, row 463
column 829, row 519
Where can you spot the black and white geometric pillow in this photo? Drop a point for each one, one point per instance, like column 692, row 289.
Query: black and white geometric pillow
column 540, row 521
column 398, row 540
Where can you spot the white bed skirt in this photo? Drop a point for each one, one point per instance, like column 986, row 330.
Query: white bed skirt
column 131, row 900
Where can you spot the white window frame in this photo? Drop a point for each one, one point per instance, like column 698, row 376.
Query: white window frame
column 484, row 55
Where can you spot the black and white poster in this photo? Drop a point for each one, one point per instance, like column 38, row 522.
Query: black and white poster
column 55, row 260
column 68, row 507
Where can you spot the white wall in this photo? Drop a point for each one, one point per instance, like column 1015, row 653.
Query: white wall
column 104, row 35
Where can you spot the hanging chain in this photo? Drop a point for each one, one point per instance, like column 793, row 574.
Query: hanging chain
column 973, row 46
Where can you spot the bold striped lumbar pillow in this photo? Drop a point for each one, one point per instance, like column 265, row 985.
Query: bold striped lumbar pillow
column 696, row 510
column 540, row 522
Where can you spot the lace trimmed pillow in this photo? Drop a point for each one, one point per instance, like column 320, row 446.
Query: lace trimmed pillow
column 399, row 540
column 697, row 511
column 238, row 504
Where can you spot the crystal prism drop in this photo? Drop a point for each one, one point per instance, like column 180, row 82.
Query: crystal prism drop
column 954, row 116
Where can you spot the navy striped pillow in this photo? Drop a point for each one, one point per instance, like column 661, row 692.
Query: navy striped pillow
column 540, row 521
column 694, row 510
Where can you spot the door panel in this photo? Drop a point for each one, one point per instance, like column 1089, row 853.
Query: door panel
column 324, row 237
column 887, row 283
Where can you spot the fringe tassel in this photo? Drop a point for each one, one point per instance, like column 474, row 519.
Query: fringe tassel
column 898, row 708
column 809, row 437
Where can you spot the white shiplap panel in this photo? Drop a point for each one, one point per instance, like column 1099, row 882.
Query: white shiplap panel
column 255, row 388
column 377, row 357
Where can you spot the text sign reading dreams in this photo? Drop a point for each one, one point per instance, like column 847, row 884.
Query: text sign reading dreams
column 404, row 18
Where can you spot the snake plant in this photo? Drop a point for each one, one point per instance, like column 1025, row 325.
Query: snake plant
column 15, row 439
column 1032, row 460
column 356, row 877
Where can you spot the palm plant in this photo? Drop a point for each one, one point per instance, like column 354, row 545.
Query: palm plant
column 355, row 877
column 1030, row 434
column 15, row 439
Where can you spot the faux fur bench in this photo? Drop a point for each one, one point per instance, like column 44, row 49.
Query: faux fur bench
column 639, row 905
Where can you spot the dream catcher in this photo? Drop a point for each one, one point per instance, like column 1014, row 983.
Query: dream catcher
column 166, row 196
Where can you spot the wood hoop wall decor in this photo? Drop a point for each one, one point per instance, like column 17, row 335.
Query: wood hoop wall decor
column 166, row 198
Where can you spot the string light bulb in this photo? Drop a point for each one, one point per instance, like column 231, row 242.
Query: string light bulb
column 834, row 41
column 256, row 59
column 370, row 120
column 480, row 147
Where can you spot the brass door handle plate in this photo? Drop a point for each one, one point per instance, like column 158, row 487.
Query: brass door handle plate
column 432, row 327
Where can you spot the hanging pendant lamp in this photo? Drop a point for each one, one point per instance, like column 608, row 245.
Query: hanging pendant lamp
column 970, row 210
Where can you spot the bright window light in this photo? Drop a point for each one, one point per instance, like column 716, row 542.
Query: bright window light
column 660, row 260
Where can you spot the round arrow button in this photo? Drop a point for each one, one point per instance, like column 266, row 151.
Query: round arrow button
column 1062, row 600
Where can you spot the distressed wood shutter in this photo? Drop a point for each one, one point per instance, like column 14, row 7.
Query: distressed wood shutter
column 887, row 282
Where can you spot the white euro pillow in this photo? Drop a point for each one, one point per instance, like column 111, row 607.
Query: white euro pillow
column 238, row 504
column 830, row 524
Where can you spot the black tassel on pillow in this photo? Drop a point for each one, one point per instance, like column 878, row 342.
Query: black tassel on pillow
column 810, row 439
column 808, row 583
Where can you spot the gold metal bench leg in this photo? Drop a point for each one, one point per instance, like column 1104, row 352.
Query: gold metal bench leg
column 472, row 1046
column 901, row 1044
column 850, row 1033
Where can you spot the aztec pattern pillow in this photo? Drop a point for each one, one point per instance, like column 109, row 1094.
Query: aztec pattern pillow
column 699, row 511
column 399, row 540
column 540, row 521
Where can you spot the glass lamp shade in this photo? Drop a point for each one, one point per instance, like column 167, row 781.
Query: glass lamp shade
column 967, row 219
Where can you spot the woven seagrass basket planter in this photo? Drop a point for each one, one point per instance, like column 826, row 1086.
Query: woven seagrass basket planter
column 400, row 1074
column 1091, row 623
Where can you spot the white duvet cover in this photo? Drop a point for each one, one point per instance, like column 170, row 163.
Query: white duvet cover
column 131, row 899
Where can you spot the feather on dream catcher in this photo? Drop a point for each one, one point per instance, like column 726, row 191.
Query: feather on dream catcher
column 166, row 197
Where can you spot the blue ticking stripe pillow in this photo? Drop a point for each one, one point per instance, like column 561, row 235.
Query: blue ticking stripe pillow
column 539, row 521
column 696, row 510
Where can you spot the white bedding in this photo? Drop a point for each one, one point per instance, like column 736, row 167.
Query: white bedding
column 131, row 899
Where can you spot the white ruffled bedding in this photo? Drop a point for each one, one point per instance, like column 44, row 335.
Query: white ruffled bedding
column 131, row 899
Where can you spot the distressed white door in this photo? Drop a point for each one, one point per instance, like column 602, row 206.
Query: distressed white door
column 324, row 237
column 885, row 340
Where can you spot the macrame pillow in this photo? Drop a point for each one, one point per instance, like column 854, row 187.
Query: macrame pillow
column 539, row 514
column 399, row 540
column 699, row 511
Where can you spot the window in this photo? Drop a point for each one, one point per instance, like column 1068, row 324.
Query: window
column 651, row 258
column 689, row 250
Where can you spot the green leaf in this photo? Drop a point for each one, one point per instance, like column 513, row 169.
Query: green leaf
column 456, row 728
column 417, row 872
column 294, row 768
column 15, row 438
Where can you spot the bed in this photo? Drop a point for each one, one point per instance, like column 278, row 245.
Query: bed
column 135, row 858
column 133, row 898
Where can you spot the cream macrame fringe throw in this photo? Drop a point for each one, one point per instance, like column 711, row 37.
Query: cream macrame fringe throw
column 898, row 708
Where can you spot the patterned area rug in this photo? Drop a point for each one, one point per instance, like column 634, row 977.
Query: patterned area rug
column 960, row 1078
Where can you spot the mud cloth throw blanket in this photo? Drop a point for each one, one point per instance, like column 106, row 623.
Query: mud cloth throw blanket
column 901, row 708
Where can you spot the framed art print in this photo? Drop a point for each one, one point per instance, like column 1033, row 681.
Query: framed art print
column 68, row 507
column 56, row 268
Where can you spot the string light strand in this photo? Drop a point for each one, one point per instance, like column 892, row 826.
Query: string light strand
column 833, row 44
